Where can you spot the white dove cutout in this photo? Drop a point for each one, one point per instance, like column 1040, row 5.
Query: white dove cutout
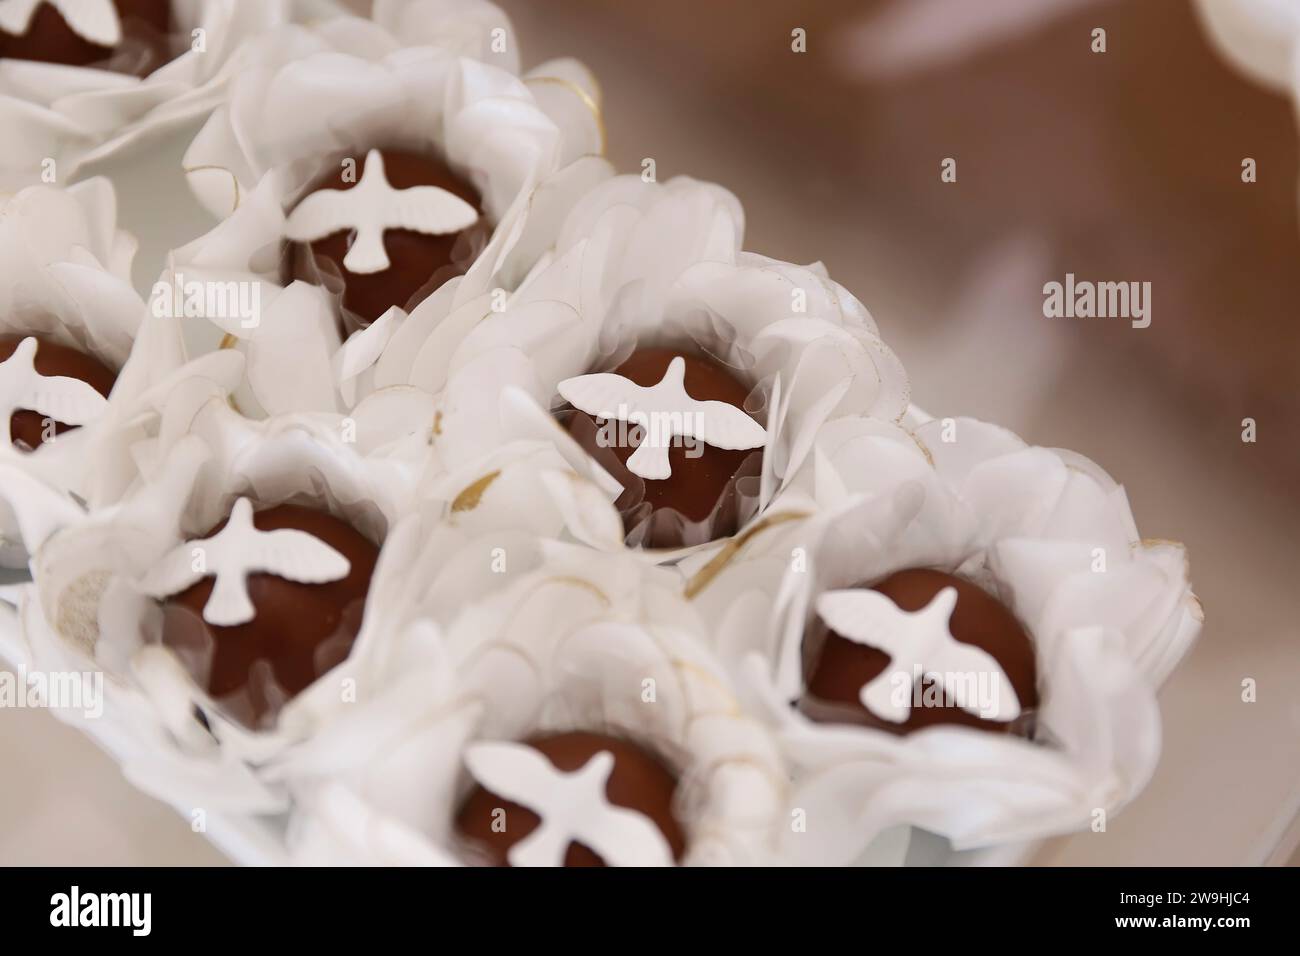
column 663, row 410
column 59, row 398
column 240, row 549
column 917, row 641
column 572, row 807
column 373, row 206
column 93, row 20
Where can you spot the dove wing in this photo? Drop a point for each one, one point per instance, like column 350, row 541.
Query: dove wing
column 866, row 617
column 322, row 214
column 63, row 399
column 952, row 665
column 870, row 618
column 601, row 394
column 294, row 555
column 18, row 375
column 726, row 426
column 16, row 15
column 513, row 771
column 428, row 209
column 94, row 20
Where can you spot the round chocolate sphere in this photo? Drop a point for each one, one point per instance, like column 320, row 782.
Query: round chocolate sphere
column 27, row 427
column 843, row 667
column 50, row 38
column 702, row 483
column 298, row 631
column 418, row 262
column 639, row 781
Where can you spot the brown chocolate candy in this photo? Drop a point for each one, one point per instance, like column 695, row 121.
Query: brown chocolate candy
column 27, row 427
column 703, row 477
column 638, row 782
column 419, row 263
column 299, row 632
column 49, row 38
column 843, row 666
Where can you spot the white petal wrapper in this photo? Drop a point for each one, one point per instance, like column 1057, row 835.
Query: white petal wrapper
column 74, row 115
column 89, row 604
column 65, row 277
column 49, row 236
column 479, row 30
column 1109, row 613
column 643, row 264
column 469, row 28
column 336, row 90
column 546, row 638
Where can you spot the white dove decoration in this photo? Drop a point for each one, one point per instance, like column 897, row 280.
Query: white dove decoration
column 572, row 807
column 663, row 410
column 93, row 20
column 917, row 642
column 57, row 397
column 239, row 550
column 373, row 206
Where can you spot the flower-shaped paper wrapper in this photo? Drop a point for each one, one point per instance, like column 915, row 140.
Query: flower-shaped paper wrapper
column 639, row 264
column 64, row 278
column 75, row 115
column 547, row 638
column 1049, row 533
column 91, row 605
column 520, row 141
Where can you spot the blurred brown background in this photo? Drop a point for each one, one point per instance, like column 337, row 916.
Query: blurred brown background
column 1117, row 166
column 1123, row 165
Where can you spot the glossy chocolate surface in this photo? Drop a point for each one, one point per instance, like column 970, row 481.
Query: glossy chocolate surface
column 27, row 427
column 702, row 486
column 419, row 263
column 299, row 632
column 843, row 666
column 638, row 782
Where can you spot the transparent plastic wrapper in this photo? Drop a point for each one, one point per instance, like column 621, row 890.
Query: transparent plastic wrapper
column 1047, row 532
column 99, row 581
column 519, row 140
column 643, row 265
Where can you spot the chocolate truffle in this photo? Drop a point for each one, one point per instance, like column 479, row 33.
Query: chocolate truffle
column 639, row 782
column 27, row 426
column 418, row 262
column 297, row 632
column 843, row 667
column 702, row 484
column 50, row 38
